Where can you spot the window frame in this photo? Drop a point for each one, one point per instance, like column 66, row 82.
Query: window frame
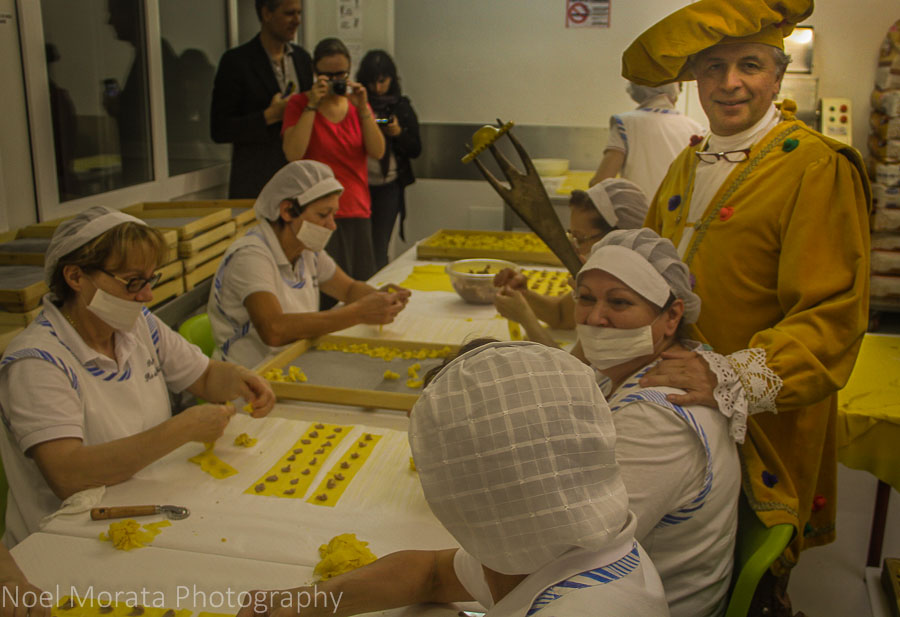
column 40, row 124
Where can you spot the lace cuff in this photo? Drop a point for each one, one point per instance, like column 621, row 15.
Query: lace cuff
column 729, row 393
column 761, row 384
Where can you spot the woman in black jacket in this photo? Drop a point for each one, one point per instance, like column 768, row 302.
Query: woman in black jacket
column 392, row 173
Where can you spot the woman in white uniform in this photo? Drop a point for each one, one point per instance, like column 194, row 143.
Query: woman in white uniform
column 680, row 464
column 644, row 142
column 266, row 291
column 514, row 447
column 612, row 204
column 84, row 388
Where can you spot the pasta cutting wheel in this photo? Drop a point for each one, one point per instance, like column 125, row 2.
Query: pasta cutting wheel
column 176, row 513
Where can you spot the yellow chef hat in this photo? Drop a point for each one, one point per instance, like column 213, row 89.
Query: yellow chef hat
column 659, row 55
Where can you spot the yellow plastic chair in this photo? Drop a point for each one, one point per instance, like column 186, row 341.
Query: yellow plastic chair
column 198, row 331
column 756, row 549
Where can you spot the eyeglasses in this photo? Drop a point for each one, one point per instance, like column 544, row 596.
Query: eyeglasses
column 334, row 75
column 579, row 241
column 732, row 156
column 135, row 284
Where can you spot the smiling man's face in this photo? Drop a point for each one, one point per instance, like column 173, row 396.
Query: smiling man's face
column 737, row 84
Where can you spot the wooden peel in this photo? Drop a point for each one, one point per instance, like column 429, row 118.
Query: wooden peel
column 526, row 194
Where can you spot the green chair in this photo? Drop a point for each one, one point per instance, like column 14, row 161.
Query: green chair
column 198, row 331
column 756, row 549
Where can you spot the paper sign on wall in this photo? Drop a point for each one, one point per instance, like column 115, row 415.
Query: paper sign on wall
column 587, row 13
column 349, row 19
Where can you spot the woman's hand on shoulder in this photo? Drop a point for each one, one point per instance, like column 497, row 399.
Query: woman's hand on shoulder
column 688, row 371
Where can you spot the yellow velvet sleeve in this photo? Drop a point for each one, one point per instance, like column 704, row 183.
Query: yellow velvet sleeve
column 823, row 284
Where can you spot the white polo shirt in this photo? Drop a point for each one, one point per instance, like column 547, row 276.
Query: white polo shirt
column 680, row 466
column 619, row 580
column 53, row 386
column 254, row 263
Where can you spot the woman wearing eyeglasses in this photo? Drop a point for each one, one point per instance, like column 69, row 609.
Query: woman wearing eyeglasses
column 333, row 124
column 680, row 464
column 84, row 388
column 614, row 203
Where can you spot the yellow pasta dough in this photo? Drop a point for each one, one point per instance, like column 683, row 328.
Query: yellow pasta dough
column 292, row 475
column 343, row 553
column 244, row 440
column 88, row 606
column 212, row 464
column 339, row 477
column 128, row 534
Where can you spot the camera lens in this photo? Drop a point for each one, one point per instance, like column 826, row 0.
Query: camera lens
column 339, row 87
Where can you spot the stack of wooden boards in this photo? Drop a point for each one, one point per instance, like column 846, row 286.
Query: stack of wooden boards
column 197, row 233
column 884, row 169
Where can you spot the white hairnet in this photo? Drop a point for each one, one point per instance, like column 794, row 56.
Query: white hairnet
column 79, row 230
column 620, row 202
column 639, row 93
column 515, row 449
column 627, row 253
column 305, row 181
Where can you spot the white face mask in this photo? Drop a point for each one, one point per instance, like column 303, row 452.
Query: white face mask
column 314, row 237
column 606, row 347
column 119, row 314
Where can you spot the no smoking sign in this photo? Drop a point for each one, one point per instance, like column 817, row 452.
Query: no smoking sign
column 587, row 13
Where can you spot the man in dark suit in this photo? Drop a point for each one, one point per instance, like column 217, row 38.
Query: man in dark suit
column 251, row 89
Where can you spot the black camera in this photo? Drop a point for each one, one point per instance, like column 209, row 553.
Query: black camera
column 338, row 86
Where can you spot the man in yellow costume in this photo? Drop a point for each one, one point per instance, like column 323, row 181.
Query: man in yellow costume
column 772, row 218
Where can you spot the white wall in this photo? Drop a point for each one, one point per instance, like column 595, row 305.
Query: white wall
column 473, row 61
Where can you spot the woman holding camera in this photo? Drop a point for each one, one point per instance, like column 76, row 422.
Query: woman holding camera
column 333, row 124
column 392, row 173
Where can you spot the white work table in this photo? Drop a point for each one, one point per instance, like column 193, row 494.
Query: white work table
column 240, row 541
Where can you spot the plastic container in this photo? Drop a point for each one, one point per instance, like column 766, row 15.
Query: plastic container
column 473, row 279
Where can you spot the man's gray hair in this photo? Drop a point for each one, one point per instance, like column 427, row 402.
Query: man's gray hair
column 782, row 60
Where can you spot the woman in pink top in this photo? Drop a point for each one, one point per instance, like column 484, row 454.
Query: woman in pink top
column 333, row 124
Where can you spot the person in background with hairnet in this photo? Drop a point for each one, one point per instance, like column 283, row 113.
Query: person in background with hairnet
column 772, row 218
column 84, row 388
column 265, row 293
column 679, row 463
column 612, row 204
column 644, row 142
column 515, row 450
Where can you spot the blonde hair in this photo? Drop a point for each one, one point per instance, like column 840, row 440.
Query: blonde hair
column 108, row 251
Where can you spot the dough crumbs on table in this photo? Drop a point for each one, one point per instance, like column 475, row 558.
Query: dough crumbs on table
column 335, row 482
column 292, row 474
column 343, row 553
